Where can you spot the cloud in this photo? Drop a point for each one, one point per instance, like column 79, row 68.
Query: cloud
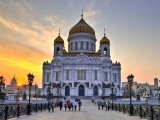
column 91, row 16
column 26, row 39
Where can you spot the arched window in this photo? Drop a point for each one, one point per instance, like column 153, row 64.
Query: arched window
column 58, row 50
column 105, row 51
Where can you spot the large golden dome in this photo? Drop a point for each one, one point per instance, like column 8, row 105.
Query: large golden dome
column 59, row 40
column 82, row 26
column 104, row 40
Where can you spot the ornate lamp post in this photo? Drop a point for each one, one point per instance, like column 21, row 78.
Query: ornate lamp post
column 130, row 81
column 2, row 84
column 60, row 90
column 30, row 81
column 35, row 91
column 112, row 87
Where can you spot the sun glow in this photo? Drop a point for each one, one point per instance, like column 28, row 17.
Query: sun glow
column 19, row 84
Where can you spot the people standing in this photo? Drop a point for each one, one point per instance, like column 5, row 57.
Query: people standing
column 108, row 102
column 102, row 104
column 69, row 105
column 53, row 106
column 79, row 104
column 75, row 104
column 60, row 105
column 65, row 105
column 72, row 104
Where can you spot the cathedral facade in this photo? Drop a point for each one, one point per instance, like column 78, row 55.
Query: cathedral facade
column 82, row 71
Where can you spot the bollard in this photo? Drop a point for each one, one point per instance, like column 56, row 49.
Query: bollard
column 18, row 110
column 6, row 112
column 119, row 107
column 151, row 112
column 28, row 109
column 41, row 107
column 140, row 111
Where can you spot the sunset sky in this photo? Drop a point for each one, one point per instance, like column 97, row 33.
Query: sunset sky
column 29, row 27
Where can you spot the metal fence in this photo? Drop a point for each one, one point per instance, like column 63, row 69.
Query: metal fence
column 148, row 112
column 12, row 111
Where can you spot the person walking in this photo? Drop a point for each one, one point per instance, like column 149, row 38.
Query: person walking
column 79, row 104
column 98, row 105
column 53, row 106
column 105, row 104
column 49, row 106
column 75, row 105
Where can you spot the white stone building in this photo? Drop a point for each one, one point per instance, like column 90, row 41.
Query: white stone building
column 81, row 71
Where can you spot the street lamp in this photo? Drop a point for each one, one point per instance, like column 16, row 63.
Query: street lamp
column 112, row 87
column 1, row 80
column 130, row 82
column 60, row 90
column 30, row 81
column 35, row 91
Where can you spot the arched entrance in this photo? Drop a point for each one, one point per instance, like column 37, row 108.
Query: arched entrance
column 95, row 91
column 81, row 90
column 67, row 91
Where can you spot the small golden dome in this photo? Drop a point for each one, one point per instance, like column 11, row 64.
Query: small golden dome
column 82, row 26
column 59, row 40
column 104, row 40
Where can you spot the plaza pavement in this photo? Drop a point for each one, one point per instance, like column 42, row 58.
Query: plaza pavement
column 89, row 111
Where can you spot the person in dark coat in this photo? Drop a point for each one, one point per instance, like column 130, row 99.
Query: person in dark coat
column 79, row 104
column 60, row 105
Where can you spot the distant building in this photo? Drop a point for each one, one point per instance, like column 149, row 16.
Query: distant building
column 12, row 88
column 13, row 82
column 2, row 84
column 156, row 82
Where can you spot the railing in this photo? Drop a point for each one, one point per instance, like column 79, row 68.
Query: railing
column 147, row 112
column 12, row 111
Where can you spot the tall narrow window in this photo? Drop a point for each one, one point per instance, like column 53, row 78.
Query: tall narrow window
column 95, row 74
column 57, row 76
column 71, row 46
column 115, row 76
column 57, row 91
column 105, row 51
column 48, row 77
column 87, row 45
column 91, row 46
column 81, row 45
column 103, row 92
column 67, row 74
column 84, row 74
column 58, row 50
column 76, row 45
column 78, row 74
column 106, row 76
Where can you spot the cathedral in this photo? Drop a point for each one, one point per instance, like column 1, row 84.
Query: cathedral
column 81, row 71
